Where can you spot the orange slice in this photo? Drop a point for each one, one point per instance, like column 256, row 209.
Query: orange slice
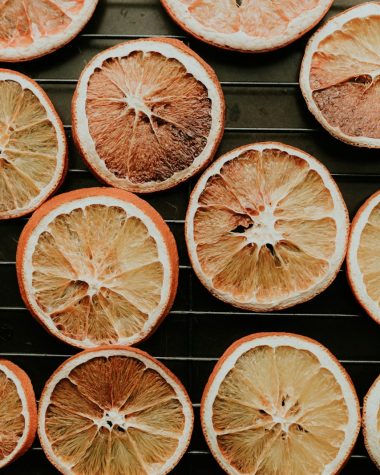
column 363, row 256
column 147, row 114
column 266, row 227
column 247, row 25
column 33, row 148
column 116, row 411
column 280, row 403
column 371, row 422
column 32, row 28
column 340, row 72
column 18, row 413
column 97, row 266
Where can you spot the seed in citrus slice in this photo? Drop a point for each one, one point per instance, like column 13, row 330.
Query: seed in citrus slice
column 371, row 422
column 363, row 256
column 33, row 149
column 266, row 227
column 247, row 25
column 18, row 413
column 147, row 114
column 280, row 403
column 30, row 29
column 97, row 266
column 340, row 72
column 116, row 411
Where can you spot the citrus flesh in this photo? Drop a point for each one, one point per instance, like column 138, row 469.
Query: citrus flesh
column 264, row 227
column 114, row 411
column 371, row 422
column 303, row 418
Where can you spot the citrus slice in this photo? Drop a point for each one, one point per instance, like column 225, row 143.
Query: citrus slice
column 280, row 403
column 371, row 422
column 147, row 114
column 33, row 149
column 32, row 28
column 116, row 411
column 266, row 227
column 247, row 25
column 340, row 72
column 18, row 413
column 97, row 266
column 363, row 256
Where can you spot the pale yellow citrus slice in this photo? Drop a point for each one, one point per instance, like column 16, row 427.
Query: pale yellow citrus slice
column 247, row 25
column 280, row 403
column 32, row 28
column 18, row 413
column 266, row 227
column 33, row 149
column 340, row 75
column 98, row 266
column 363, row 256
column 147, row 114
column 116, row 411
column 371, row 422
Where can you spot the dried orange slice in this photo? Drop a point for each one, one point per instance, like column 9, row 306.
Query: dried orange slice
column 340, row 72
column 116, row 411
column 32, row 28
column 280, row 403
column 18, row 413
column 147, row 114
column 371, row 422
column 363, row 256
column 97, row 266
column 266, row 227
column 33, row 149
column 247, row 25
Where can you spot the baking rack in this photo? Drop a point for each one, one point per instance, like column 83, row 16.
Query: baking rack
column 263, row 103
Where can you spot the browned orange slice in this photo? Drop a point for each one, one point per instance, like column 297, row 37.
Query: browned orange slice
column 147, row 114
column 371, row 422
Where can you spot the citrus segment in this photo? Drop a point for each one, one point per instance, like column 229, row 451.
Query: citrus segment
column 371, row 422
column 114, row 410
column 37, row 27
column 266, row 227
column 247, row 25
column 147, row 114
column 303, row 419
column 18, row 413
column 98, row 266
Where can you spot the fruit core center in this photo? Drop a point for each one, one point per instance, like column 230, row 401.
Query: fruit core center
column 137, row 103
column 285, row 417
column 113, row 420
column 260, row 229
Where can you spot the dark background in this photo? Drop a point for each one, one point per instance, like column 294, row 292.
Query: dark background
column 269, row 106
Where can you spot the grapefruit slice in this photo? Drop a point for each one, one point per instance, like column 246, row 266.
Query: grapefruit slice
column 30, row 29
column 266, row 227
column 247, row 25
column 371, row 422
column 147, row 114
column 33, row 149
column 97, row 266
column 280, row 403
column 363, row 256
column 340, row 72
column 116, row 411
column 18, row 413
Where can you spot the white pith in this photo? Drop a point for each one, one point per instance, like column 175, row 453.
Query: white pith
column 52, row 116
column 65, row 370
column 335, row 24
column 46, row 44
column 325, row 360
column 131, row 211
column 370, row 411
column 192, row 65
column 20, row 390
column 240, row 40
column 256, row 235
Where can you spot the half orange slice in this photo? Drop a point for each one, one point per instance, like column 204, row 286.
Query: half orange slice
column 280, row 403
column 147, row 114
column 371, row 422
column 114, row 411
column 97, row 266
